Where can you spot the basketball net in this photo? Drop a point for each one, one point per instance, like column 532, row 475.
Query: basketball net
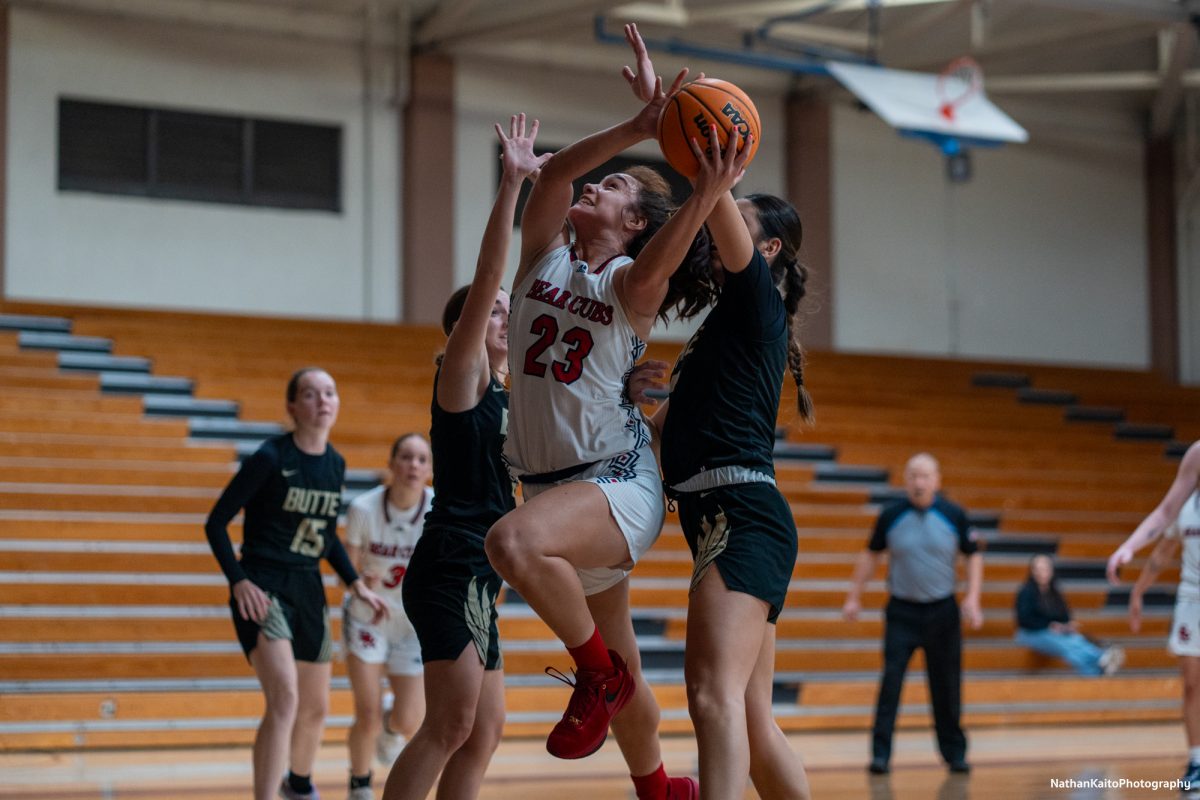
column 961, row 80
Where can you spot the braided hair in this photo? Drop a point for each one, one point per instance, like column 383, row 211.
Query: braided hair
column 778, row 219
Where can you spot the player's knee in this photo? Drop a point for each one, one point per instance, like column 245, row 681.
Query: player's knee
column 490, row 730
column 313, row 708
column 452, row 729
column 709, row 701
column 505, row 548
column 282, row 701
column 368, row 715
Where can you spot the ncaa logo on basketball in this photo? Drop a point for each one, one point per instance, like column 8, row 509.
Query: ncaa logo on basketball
column 736, row 119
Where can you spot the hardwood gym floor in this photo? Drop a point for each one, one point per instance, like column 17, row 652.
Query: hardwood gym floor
column 1009, row 764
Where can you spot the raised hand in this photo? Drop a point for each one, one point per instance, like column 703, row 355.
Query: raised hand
column 646, row 121
column 516, row 148
column 721, row 170
column 641, row 80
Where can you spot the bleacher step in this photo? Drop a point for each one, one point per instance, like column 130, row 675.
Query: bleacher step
column 805, row 452
column 1021, row 545
column 54, row 340
column 234, row 429
column 1051, row 397
column 1093, row 414
column 361, row 479
column 177, row 405
column 102, row 362
column 1000, row 380
column 143, row 383
column 27, row 322
column 851, row 473
column 1155, row 596
column 1143, row 431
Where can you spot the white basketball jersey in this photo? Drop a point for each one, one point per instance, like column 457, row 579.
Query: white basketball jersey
column 1187, row 528
column 387, row 536
column 570, row 350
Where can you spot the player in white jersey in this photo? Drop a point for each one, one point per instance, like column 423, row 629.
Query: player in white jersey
column 382, row 528
column 593, row 278
column 1176, row 519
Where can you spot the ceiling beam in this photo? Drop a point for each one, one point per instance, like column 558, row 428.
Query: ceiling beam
column 443, row 19
column 598, row 60
column 1152, row 10
column 781, row 8
column 1071, row 30
column 820, row 34
column 225, row 15
column 1138, row 81
column 897, row 35
column 515, row 19
column 1182, row 49
column 671, row 13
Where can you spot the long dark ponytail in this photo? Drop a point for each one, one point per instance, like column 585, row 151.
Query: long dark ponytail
column 778, row 219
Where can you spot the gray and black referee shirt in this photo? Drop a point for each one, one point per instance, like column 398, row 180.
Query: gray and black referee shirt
column 923, row 546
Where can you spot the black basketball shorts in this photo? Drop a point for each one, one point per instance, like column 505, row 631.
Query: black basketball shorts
column 747, row 530
column 449, row 593
column 297, row 612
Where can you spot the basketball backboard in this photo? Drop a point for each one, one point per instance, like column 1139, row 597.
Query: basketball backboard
column 915, row 104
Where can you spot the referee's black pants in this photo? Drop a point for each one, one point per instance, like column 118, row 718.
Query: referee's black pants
column 935, row 628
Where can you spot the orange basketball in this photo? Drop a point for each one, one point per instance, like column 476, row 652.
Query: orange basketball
column 699, row 105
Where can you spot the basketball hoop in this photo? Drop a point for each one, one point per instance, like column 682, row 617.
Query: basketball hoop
column 961, row 80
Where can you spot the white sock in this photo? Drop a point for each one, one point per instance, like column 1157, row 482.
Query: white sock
column 1194, row 755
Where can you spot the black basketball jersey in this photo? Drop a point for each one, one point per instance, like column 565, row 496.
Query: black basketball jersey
column 726, row 385
column 471, row 484
column 291, row 501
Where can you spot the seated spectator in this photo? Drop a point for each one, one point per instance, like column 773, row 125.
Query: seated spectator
column 1044, row 624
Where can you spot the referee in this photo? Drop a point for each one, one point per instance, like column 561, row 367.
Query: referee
column 924, row 534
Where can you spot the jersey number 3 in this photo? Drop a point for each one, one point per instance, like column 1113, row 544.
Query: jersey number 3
column 568, row 371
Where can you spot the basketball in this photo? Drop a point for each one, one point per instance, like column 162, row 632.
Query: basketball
column 699, row 105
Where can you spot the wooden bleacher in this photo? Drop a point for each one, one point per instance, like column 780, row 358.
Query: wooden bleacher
column 114, row 630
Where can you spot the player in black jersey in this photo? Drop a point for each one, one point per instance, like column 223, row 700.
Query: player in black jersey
column 450, row 588
column 291, row 490
column 718, row 431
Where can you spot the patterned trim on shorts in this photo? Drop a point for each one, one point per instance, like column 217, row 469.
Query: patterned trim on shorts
column 478, row 609
column 711, row 543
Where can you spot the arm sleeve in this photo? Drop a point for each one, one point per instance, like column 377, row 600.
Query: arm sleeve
column 337, row 556
column 1029, row 615
column 878, row 540
column 760, row 313
column 249, row 479
column 962, row 523
column 340, row 561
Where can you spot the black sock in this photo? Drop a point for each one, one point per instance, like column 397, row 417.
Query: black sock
column 300, row 784
column 357, row 782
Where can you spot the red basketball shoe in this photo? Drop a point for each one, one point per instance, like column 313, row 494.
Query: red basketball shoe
column 596, row 699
